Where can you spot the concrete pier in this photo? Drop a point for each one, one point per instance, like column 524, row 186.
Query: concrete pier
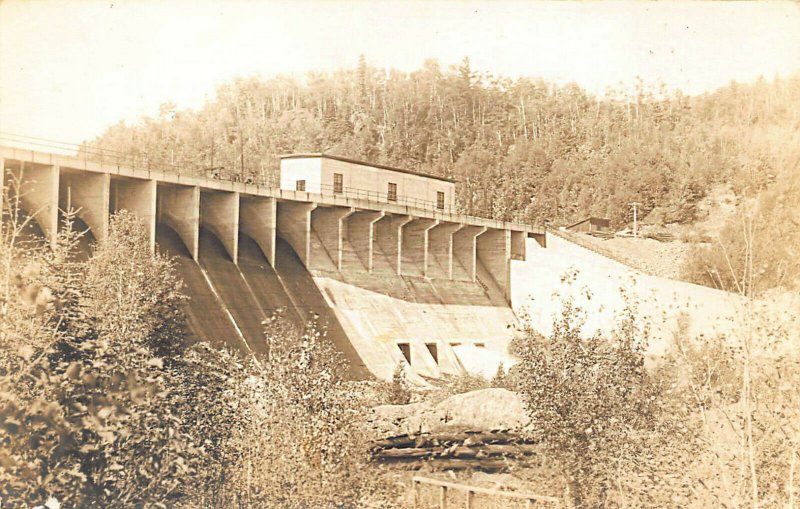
column 360, row 233
column 36, row 186
column 88, row 195
column 294, row 226
column 258, row 220
column 387, row 232
column 494, row 252
column 414, row 246
column 440, row 250
column 518, row 245
column 179, row 208
column 219, row 213
column 328, row 225
column 138, row 197
column 465, row 252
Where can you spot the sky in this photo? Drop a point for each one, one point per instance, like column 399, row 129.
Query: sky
column 71, row 68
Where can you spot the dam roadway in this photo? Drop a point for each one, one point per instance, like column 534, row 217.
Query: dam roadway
column 390, row 283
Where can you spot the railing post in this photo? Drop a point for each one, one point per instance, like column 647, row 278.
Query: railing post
column 469, row 499
column 443, row 497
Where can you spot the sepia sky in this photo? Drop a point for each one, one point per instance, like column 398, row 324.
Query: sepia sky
column 70, row 68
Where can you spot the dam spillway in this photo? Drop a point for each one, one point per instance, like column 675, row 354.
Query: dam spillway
column 390, row 282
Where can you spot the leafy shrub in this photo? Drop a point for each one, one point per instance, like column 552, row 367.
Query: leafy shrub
column 398, row 391
column 590, row 401
column 88, row 416
column 741, row 393
column 298, row 441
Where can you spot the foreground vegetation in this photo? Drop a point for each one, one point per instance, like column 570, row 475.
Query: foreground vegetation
column 103, row 403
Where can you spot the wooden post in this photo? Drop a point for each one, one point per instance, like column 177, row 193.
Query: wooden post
column 528, row 504
column 443, row 497
column 417, row 498
column 469, row 499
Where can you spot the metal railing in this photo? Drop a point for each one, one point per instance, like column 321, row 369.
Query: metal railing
column 471, row 491
column 192, row 169
column 367, row 194
column 143, row 160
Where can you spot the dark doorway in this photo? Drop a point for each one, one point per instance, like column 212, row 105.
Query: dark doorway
column 405, row 348
column 434, row 350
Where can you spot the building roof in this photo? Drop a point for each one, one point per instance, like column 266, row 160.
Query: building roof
column 590, row 218
column 364, row 163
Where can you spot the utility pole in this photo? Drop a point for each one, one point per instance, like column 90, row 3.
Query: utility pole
column 635, row 206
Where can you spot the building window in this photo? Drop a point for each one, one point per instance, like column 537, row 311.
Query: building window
column 338, row 183
column 439, row 200
column 392, row 191
column 300, row 185
column 434, row 351
column 405, row 349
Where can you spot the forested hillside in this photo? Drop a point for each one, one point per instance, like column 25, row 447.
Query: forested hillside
column 523, row 150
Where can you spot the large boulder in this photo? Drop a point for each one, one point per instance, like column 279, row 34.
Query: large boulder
column 483, row 410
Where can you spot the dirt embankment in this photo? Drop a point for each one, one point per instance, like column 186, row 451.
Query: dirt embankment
column 662, row 259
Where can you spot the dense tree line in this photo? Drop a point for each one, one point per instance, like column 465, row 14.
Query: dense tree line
column 523, row 149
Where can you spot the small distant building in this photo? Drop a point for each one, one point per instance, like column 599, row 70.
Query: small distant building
column 328, row 174
column 591, row 225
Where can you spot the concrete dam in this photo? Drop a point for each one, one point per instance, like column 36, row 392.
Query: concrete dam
column 378, row 258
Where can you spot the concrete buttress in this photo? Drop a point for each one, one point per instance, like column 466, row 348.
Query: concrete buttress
column 294, row 226
column 518, row 245
column 440, row 250
column 219, row 212
column 179, row 208
column 360, row 232
column 465, row 253
column 257, row 220
column 414, row 246
column 328, row 225
column 494, row 253
column 138, row 197
column 38, row 195
column 88, row 195
column 387, row 231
